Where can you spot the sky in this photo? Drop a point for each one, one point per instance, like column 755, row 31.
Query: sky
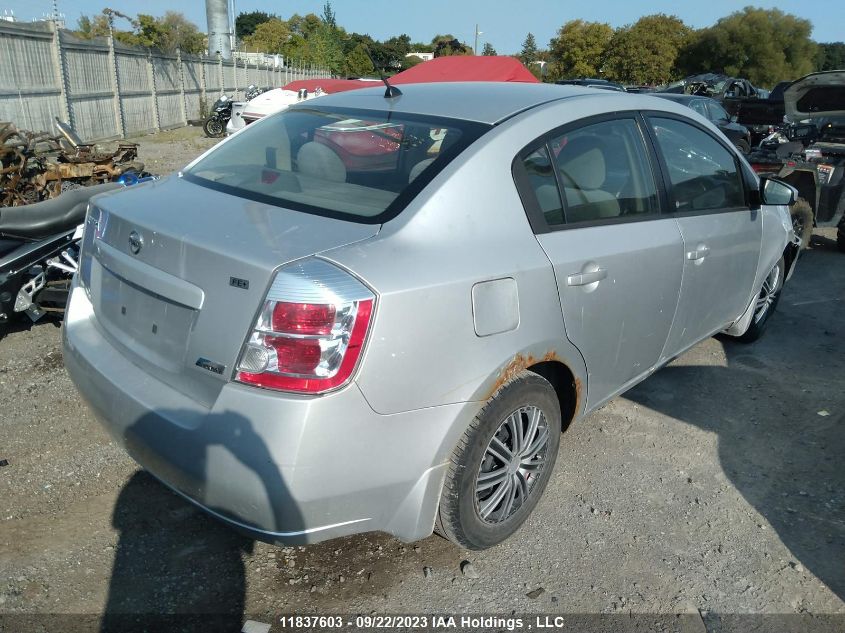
column 503, row 24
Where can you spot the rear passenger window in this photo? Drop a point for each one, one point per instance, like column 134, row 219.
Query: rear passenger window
column 604, row 172
column 541, row 176
column 702, row 171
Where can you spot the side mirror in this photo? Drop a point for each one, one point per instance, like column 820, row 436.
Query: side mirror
column 776, row 192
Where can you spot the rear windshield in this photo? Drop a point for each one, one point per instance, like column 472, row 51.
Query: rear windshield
column 358, row 165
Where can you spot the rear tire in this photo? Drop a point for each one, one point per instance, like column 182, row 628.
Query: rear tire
column 802, row 221
column 501, row 465
column 766, row 303
column 840, row 240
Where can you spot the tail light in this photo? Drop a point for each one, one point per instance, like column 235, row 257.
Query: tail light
column 310, row 333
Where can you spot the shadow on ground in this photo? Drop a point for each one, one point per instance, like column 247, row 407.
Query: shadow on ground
column 787, row 465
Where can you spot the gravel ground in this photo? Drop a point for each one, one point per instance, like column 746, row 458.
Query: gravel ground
column 713, row 488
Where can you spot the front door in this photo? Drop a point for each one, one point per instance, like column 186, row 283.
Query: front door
column 721, row 234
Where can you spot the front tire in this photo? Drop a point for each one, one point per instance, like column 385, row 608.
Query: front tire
column 766, row 303
column 840, row 239
column 501, row 465
column 213, row 127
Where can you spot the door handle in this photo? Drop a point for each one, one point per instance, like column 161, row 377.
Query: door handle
column 583, row 279
column 699, row 253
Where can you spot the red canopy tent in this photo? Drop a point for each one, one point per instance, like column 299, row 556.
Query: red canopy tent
column 466, row 68
column 452, row 68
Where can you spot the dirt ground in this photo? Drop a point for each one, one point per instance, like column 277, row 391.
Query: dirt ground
column 715, row 487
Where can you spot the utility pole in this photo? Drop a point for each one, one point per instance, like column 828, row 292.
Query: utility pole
column 477, row 33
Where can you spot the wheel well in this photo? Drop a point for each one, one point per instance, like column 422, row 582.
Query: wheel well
column 566, row 386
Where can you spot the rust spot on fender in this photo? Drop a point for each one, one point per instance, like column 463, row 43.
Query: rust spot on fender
column 578, row 393
column 519, row 363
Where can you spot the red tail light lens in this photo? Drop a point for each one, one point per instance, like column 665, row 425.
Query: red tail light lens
column 311, row 330
column 303, row 318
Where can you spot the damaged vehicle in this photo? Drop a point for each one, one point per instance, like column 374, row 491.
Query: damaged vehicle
column 808, row 152
column 713, row 85
column 378, row 311
column 41, row 166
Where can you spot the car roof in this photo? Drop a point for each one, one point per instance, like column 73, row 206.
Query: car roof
column 479, row 101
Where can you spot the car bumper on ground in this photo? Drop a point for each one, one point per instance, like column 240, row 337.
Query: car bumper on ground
column 279, row 467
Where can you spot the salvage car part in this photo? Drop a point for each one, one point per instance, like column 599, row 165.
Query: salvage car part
column 38, row 166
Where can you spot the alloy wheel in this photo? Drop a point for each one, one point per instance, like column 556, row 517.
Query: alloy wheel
column 768, row 293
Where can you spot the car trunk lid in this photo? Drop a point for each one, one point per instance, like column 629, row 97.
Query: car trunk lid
column 180, row 270
column 816, row 95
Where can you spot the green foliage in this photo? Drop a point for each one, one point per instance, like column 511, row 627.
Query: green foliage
column 329, row 16
column 89, row 28
column 246, row 23
column 763, row 45
column 410, row 62
column 831, row 56
column 394, row 51
column 488, row 50
column 529, row 50
column 445, row 45
column 270, row 36
column 647, row 51
column 579, row 49
column 168, row 33
column 357, row 64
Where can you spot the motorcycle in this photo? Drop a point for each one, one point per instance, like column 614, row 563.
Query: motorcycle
column 221, row 112
column 253, row 91
column 39, row 250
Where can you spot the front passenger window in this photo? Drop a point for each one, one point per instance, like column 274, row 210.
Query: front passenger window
column 702, row 171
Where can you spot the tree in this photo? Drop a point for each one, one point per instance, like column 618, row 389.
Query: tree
column 445, row 45
column 246, row 23
column 168, row 33
column 831, row 56
column 411, row 61
column 357, row 63
column 764, row 46
column 579, row 49
column 329, row 16
column 488, row 50
column 324, row 49
column 271, row 36
column 89, row 28
column 394, row 50
column 529, row 50
column 647, row 51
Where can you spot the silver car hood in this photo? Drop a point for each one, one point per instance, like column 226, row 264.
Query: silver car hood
column 816, row 95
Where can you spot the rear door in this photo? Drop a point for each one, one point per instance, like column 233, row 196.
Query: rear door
column 721, row 234
column 591, row 195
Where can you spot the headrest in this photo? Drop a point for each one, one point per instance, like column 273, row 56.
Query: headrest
column 582, row 161
column 320, row 161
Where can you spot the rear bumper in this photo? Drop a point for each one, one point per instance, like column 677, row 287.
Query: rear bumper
column 279, row 467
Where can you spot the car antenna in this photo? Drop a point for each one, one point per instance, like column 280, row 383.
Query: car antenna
column 390, row 91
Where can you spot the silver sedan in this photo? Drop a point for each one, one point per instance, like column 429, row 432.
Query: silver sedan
column 380, row 311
